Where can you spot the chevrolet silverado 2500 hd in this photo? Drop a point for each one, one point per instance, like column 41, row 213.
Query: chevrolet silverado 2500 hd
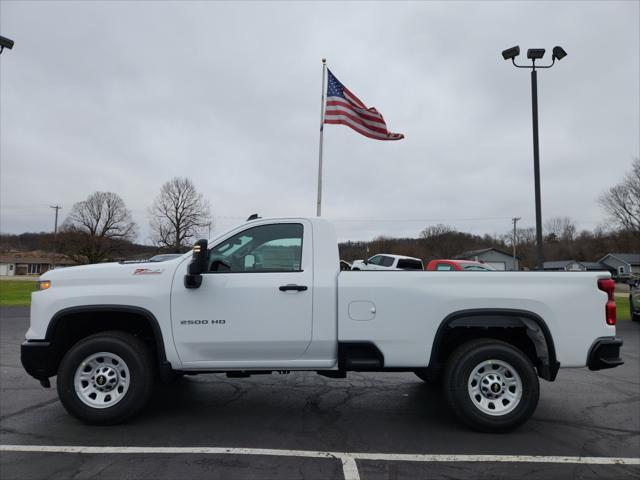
column 269, row 296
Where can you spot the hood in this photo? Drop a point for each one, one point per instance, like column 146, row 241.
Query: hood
column 107, row 272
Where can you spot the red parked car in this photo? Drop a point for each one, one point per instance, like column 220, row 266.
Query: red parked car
column 459, row 265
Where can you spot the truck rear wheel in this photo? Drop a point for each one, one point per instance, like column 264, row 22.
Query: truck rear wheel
column 106, row 378
column 491, row 385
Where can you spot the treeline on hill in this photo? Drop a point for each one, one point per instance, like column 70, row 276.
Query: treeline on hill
column 561, row 242
column 66, row 243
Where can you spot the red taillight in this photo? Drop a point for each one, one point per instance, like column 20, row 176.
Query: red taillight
column 608, row 286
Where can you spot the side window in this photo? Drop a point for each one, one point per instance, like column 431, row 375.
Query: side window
column 386, row 261
column 408, row 264
column 443, row 267
column 267, row 248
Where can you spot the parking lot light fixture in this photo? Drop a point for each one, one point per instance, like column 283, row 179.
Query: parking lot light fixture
column 511, row 53
column 558, row 53
column 534, row 54
column 5, row 43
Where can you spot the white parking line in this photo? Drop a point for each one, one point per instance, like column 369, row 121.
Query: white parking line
column 349, row 466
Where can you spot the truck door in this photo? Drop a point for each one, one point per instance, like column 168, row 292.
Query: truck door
column 254, row 307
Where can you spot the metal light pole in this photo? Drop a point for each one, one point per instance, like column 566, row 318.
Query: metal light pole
column 534, row 54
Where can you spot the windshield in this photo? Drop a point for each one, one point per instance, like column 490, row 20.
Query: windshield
column 164, row 257
column 479, row 268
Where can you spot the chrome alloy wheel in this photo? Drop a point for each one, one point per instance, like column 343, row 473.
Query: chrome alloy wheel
column 102, row 380
column 495, row 387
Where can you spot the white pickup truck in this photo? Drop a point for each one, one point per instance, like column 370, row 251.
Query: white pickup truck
column 385, row 261
column 269, row 296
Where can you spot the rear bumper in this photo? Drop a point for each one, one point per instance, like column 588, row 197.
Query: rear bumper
column 38, row 359
column 605, row 353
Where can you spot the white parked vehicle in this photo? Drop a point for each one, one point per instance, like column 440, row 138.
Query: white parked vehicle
column 269, row 296
column 385, row 261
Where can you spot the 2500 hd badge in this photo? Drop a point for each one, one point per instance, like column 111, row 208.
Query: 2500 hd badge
column 203, row 322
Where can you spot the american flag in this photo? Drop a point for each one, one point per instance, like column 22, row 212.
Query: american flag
column 343, row 107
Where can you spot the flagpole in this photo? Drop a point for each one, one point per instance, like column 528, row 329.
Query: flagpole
column 322, row 105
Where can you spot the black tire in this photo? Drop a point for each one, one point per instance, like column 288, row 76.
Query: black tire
column 466, row 360
column 141, row 377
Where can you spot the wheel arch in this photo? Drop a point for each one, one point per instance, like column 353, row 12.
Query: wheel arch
column 492, row 319
column 86, row 320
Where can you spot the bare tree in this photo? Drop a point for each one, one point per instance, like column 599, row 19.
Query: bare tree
column 441, row 241
column 526, row 241
column 622, row 201
column 561, row 228
column 94, row 226
column 178, row 214
column 436, row 231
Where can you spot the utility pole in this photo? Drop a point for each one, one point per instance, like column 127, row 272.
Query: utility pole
column 515, row 221
column 55, row 225
column 55, row 228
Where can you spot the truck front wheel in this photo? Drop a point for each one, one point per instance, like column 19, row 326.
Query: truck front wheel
column 106, row 378
column 491, row 385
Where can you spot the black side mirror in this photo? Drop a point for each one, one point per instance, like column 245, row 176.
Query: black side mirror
column 198, row 265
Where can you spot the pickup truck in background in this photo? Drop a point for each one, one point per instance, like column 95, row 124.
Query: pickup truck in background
column 386, row 261
column 269, row 296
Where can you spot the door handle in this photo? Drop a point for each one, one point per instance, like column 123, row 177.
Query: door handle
column 298, row 288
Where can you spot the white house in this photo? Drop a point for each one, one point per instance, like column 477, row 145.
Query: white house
column 30, row 263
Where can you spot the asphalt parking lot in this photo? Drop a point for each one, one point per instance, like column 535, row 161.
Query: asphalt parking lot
column 368, row 426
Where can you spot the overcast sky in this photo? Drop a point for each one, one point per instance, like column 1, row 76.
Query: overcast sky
column 121, row 96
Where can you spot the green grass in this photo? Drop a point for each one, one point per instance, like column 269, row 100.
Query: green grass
column 15, row 292
column 623, row 311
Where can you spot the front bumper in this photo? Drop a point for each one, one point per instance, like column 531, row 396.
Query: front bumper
column 38, row 359
column 605, row 353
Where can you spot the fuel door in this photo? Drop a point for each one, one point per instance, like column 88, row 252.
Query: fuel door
column 362, row 310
